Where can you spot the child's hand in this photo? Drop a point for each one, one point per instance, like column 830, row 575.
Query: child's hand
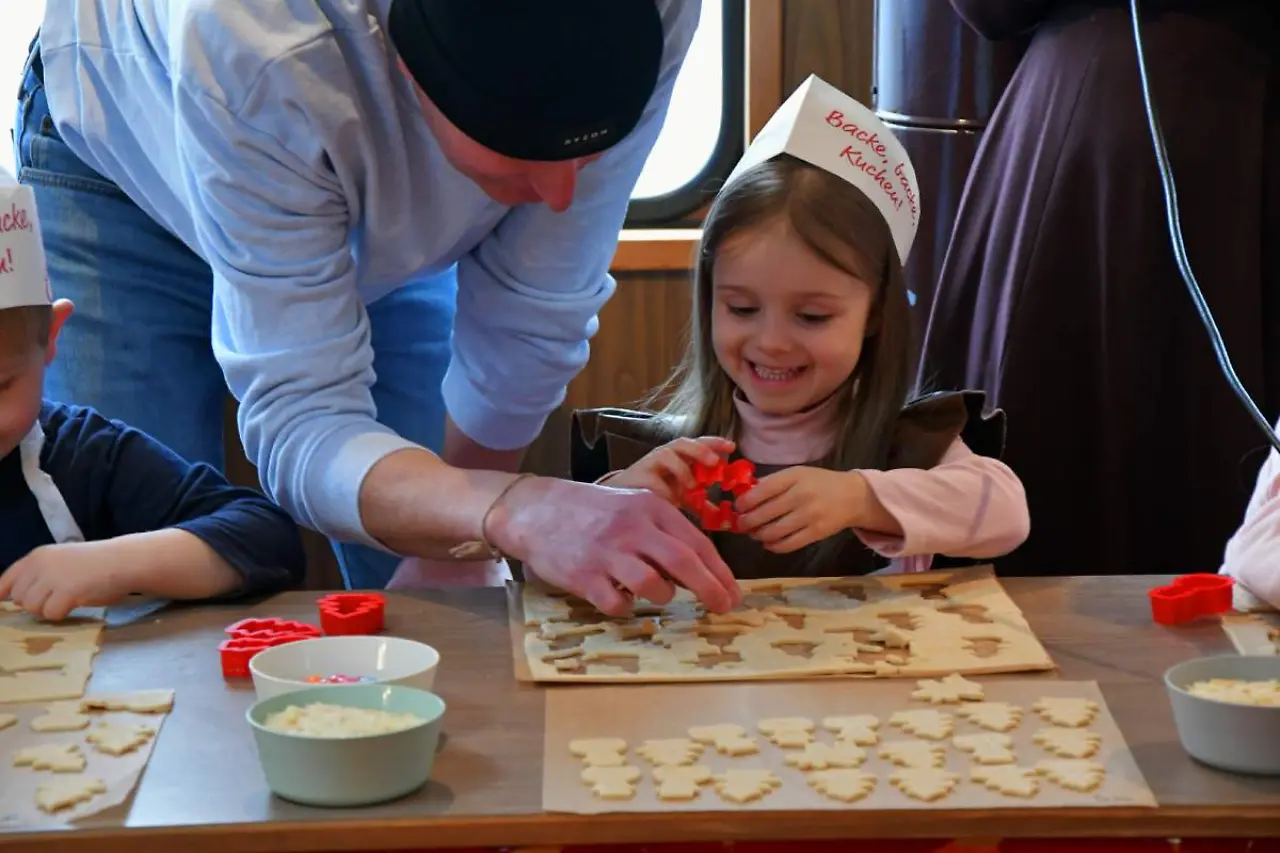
column 667, row 471
column 53, row 580
column 799, row 506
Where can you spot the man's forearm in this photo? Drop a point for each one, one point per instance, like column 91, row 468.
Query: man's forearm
column 463, row 452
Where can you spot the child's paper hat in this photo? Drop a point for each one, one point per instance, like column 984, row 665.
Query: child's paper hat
column 24, row 279
column 828, row 129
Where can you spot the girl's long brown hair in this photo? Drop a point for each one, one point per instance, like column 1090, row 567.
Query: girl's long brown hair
column 843, row 227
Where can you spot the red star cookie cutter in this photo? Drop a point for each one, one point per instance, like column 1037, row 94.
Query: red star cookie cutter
column 249, row 636
column 1190, row 597
column 729, row 478
column 344, row 613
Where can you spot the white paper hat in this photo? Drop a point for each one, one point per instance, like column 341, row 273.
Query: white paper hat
column 828, row 129
column 24, row 278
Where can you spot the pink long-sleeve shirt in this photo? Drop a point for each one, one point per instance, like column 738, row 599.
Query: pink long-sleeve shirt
column 1252, row 556
column 965, row 506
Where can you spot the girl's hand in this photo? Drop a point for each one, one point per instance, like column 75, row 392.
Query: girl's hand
column 53, row 580
column 799, row 506
column 668, row 470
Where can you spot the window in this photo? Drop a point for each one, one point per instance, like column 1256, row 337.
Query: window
column 701, row 140
column 21, row 20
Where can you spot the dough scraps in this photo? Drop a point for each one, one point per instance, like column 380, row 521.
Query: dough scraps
column 820, row 756
column 726, row 738
column 1074, row 774
column 992, row 716
column 913, row 753
column 61, row 717
column 743, row 786
column 787, row 732
column 845, row 785
column 925, row 723
column 926, row 784
column 680, row 782
column 1068, row 743
column 612, row 783
column 672, row 751
column 58, row 757
column 600, row 751
column 1069, row 712
column 951, row 690
column 859, row 729
column 1007, row 779
column 986, row 748
column 117, row 739
column 140, row 702
column 58, row 793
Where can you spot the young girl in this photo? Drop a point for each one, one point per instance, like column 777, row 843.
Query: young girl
column 798, row 359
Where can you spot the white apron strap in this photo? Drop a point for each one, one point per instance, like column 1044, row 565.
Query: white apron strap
column 62, row 526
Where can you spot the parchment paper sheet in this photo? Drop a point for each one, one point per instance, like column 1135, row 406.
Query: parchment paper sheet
column 1250, row 632
column 18, row 809
column 664, row 711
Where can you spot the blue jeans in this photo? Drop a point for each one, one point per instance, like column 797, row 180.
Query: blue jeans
column 138, row 346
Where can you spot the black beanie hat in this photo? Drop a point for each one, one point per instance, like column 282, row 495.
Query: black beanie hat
column 533, row 80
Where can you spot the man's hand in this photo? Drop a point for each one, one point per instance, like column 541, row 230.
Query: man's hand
column 53, row 580
column 609, row 546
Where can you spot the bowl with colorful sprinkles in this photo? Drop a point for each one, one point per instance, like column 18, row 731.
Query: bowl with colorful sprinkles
column 1227, row 711
column 343, row 661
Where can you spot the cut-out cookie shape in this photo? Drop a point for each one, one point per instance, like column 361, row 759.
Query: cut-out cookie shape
column 992, row 716
column 1074, row 774
column 1069, row 712
column 726, row 738
column 58, row 757
column 671, row 751
column 612, row 783
column 140, row 702
column 744, row 786
column 952, row 690
column 7, row 720
column 680, row 782
column 114, row 739
column 1068, row 743
column 859, row 729
column 845, row 785
column 986, row 748
column 913, row 753
column 61, row 717
column 1007, row 779
column 600, row 751
column 787, row 732
column 57, row 794
column 820, row 756
column 927, row 784
column 926, row 723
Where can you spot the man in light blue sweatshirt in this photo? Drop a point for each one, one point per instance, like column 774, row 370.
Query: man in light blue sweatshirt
column 294, row 194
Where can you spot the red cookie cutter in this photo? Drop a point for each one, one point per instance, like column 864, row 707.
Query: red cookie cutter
column 1189, row 597
column 249, row 636
column 353, row 613
column 271, row 627
column 730, row 478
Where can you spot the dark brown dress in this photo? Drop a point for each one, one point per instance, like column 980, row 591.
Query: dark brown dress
column 605, row 440
column 1060, row 297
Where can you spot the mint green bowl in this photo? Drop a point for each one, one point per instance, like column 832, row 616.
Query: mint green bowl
column 349, row 771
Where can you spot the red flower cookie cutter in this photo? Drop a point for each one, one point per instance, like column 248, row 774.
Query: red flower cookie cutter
column 731, row 478
column 249, row 636
column 1189, row 597
column 353, row 613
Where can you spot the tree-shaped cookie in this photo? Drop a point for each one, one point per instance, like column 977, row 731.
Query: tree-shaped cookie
column 913, row 753
column 1068, row 743
column 118, row 739
column 600, row 751
column 820, row 756
column 671, row 751
column 986, row 748
column 61, row 717
column 1007, row 779
column 858, row 729
column 845, row 785
column 675, row 782
column 1074, row 774
column 612, row 783
column 952, row 690
column 743, row 786
column 726, row 738
column 1065, row 711
column 926, row 784
column 926, row 723
column 58, row 757
column 992, row 716
column 787, row 732
column 54, row 795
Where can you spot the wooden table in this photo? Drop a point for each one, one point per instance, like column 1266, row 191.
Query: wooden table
column 204, row 791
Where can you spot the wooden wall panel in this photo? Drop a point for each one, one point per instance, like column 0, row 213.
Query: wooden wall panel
column 833, row 39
